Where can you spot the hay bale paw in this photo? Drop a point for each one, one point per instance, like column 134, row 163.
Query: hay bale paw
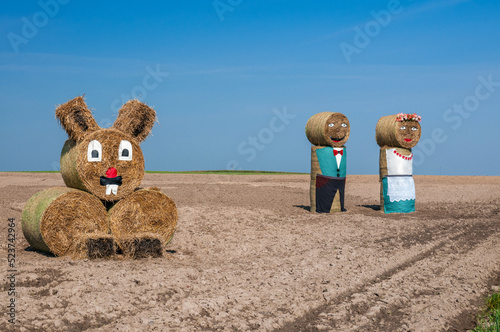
column 100, row 247
column 142, row 246
column 94, row 246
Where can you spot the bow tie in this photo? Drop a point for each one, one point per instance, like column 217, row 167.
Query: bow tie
column 335, row 152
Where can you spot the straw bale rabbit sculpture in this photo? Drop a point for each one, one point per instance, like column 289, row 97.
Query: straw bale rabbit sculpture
column 102, row 211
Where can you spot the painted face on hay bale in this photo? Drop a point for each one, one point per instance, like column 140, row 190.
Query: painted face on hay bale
column 105, row 162
column 408, row 133
column 328, row 129
column 110, row 164
column 337, row 129
column 399, row 130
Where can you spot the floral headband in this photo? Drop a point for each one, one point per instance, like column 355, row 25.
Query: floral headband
column 408, row 117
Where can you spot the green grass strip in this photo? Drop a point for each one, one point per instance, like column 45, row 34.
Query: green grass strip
column 226, row 172
column 489, row 319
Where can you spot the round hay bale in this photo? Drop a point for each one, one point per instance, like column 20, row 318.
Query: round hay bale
column 392, row 133
column 80, row 173
column 328, row 129
column 144, row 211
column 53, row 219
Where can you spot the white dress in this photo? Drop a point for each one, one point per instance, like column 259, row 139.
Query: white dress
column 400, row 185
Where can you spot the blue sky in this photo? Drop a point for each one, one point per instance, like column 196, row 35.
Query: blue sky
column 235, row 81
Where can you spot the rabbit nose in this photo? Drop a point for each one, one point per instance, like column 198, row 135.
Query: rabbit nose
column 111, row 172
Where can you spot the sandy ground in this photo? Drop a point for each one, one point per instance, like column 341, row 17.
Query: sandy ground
column 249, row 256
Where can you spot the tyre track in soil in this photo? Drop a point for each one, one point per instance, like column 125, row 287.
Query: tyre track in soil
column 363, row 309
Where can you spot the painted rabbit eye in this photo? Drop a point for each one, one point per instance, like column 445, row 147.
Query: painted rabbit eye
column 125, row 151
column 344, row 125
column 94, row 151
column 331, row 125
column 414, row 128
column 403, row 128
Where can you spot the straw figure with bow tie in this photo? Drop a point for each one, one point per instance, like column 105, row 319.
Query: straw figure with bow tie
column 328, row 132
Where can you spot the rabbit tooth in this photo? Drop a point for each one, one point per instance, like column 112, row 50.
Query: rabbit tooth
column 111, row 189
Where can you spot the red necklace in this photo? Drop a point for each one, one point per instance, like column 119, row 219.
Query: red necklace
column 404, row 157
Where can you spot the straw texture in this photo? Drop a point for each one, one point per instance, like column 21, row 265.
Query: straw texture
column 76, row 118
column 319, row 132
column 53, row 219
column 388, row 132
column 141, row 246
column 94, row 246
column 79, row 173
column 144, row 211
column 325, row 129
column 101, row 167
column 315, row 169
column 135, row 119
column 336, row 203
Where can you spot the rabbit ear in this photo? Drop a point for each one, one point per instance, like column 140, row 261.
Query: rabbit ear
column 136, row 119
column 76, row 118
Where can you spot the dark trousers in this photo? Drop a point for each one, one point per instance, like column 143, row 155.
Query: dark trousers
column 326, row 188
